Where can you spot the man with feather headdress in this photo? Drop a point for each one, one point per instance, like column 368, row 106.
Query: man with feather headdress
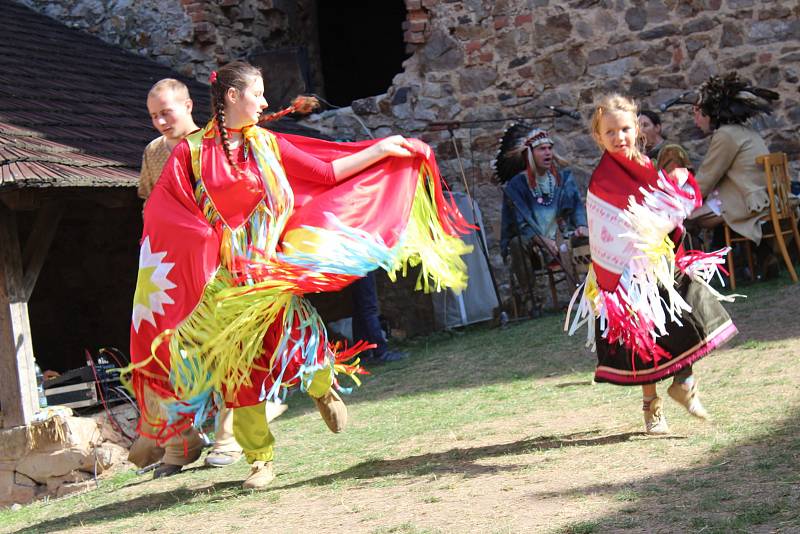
column 732, row 185
column 539, row 199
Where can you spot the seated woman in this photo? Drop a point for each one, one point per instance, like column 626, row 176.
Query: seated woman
column 662, row 153
column 733, row 186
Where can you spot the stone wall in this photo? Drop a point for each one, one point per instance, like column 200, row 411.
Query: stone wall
column 475, row 63
column 56, row 457
column 192, row 36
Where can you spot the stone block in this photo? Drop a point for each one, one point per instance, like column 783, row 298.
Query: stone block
column 775, row 12
column 509, row 44
column 600, row 55
column 13, row 443
column 477, row 79
column 702, row 24
column 614, row 69
column 703, row 67
column 553, row 30
column 740, row 61
column 630, row 48
column 417, row 25
column 418, row 15
column 636, row 18
column 22, row 480
column 665, row 30
column 518, row 61
column 23, row 494
column 442, row 52
column 675, row 81
column 791, row 57
column 773, row 31
column 641, row 86
column 103, row 457
column 521, row 20
column 466, row 32
column 82, row 432
column 42, row 465
column 731, row 35
column 365, row 106
column 768, row 76
column 473, row 46
column 6, row 484
column 53, row 483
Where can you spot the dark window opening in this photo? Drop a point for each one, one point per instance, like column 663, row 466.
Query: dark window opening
column 361, row 47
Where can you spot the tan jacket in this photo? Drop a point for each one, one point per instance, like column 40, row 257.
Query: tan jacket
column 156, row 154
column 730, row 168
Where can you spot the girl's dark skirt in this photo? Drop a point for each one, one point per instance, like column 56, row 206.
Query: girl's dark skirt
column 703, row 329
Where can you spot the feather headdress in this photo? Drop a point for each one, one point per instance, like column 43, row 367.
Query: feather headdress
column 731, row 100
column 515, row 153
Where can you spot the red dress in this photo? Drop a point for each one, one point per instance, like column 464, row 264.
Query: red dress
column 227, row 255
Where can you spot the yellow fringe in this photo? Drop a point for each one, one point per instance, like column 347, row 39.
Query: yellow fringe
column 426, row 243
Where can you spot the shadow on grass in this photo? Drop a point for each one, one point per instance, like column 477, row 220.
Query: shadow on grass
column 138, row 505
column 768, row 312
column 540, row 348
column 750, row 487
column 456, row 460
column 465, row 460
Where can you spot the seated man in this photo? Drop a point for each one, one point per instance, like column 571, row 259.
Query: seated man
column 733, row 185
column 539, row 199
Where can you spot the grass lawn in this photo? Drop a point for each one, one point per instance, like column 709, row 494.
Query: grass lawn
column 502, row 431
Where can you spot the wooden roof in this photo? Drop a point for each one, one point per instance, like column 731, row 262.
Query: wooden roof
column 72, row 108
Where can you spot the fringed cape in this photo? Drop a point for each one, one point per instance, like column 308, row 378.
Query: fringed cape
column 224, row 262
column 635, row 216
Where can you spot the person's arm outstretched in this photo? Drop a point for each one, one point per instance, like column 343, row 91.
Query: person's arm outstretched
column 396, row 145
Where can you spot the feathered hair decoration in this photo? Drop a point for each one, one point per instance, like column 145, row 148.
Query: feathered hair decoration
column 731, row 100
column 302, row 105
column 510, row 159
column 513, row 155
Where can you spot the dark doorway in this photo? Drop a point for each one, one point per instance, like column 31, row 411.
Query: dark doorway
column 361, row 47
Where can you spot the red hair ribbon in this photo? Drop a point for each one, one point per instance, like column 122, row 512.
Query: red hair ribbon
column 212, row 77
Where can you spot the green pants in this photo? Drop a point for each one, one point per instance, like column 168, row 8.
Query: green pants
column 250, row 425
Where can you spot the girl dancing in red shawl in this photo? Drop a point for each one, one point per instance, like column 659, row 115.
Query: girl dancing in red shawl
column 647, row 303
column 240, row 225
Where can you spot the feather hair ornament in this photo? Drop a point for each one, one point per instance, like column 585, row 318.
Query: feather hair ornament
column 732, row 100
column 302, row 105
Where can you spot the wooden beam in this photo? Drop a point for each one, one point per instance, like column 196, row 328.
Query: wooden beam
column 39, row 240
column 18, row 394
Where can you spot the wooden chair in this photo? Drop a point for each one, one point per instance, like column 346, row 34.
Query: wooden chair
column 781, row 214
column 529, row 265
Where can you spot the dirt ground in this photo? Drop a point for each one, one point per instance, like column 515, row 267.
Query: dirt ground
column 574, row 461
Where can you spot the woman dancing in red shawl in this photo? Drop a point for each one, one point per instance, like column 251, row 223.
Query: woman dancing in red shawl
column 648, row 305
column 240, row 225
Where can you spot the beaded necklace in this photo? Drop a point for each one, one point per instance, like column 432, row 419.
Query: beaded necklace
column 543, row 192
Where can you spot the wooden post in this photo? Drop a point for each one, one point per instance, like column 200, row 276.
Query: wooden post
column 18, row 394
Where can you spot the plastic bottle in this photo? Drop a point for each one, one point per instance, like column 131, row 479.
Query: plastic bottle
column 40, row 387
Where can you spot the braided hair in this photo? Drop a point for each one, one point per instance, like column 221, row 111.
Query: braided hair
column 237, row 75
column 732, row 100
